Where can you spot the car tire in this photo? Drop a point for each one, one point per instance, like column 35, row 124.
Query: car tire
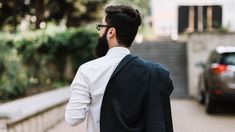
column 210, row 104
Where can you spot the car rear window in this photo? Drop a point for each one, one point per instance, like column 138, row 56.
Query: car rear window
column 228, row 59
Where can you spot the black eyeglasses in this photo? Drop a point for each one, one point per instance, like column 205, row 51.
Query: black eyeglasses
column 99, row 26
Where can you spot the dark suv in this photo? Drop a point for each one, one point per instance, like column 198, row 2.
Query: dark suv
column 217, row 81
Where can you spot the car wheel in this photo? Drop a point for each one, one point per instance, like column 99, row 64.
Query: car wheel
column 210, row 104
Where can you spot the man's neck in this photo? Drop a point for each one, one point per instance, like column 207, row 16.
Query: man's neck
column 119, row 45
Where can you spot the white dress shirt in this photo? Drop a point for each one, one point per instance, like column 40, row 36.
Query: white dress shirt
column 88, row 87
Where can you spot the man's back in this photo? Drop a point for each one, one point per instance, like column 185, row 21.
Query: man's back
column 137, row 98
column 88, row 87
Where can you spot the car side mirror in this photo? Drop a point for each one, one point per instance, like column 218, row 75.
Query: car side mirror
column 201, row 65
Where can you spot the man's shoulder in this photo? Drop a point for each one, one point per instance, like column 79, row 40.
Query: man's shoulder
column 92, row 63
column 150, row 65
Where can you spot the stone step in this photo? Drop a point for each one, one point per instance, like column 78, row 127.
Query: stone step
column 171, row 55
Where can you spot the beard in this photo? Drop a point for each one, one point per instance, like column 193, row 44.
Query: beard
column 102, row 46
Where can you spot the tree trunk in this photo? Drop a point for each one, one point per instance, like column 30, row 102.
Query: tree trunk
column 39, row 8
column 14, row 22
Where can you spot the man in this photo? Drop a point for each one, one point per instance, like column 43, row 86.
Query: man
column 118, row 91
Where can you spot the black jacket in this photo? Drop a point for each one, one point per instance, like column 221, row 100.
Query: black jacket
column 136, row 98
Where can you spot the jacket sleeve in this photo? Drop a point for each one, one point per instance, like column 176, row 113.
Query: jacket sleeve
column 157, row 106
column 167, row 106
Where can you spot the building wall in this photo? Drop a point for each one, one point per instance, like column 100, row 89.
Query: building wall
column 165, row 14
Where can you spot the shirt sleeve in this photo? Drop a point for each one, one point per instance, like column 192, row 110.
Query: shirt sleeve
column 76, row 109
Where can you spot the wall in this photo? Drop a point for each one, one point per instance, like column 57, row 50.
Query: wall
column 38, row 123
column 35, row 113
column 165, row 14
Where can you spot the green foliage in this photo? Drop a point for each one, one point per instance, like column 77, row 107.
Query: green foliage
column 42, row 58
column 74, row 12
column 13, row 80
column 141, row 5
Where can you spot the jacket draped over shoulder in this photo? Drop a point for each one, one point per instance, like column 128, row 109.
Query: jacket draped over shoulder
column 137, row 98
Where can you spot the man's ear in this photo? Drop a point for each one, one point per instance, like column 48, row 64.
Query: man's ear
column 111, row 33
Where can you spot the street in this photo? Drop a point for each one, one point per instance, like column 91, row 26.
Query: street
column 188, row 116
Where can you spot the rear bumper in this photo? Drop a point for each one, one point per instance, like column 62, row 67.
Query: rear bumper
column 224, row 97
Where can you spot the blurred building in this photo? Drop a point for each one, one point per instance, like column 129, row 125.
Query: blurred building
column 173, row 17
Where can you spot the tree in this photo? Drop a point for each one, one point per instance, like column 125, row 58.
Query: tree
column 141, row 5
column 11, row 11
column 75, row 12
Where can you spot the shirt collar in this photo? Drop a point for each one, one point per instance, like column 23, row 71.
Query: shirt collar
column 118, row 51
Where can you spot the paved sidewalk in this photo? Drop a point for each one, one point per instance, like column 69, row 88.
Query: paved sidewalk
column 188, row 116
column 64, row 127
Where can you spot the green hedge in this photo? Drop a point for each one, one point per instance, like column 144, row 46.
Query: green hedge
column 13, row 78
column 42, row 58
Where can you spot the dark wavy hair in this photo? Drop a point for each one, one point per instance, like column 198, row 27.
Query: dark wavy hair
column 126, row 20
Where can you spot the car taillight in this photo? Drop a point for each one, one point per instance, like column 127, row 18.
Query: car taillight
column 218, row 68
column 217, row 92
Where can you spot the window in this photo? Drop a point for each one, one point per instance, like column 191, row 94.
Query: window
column 228, row 59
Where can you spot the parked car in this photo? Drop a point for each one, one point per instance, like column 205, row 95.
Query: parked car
column 217, row 81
